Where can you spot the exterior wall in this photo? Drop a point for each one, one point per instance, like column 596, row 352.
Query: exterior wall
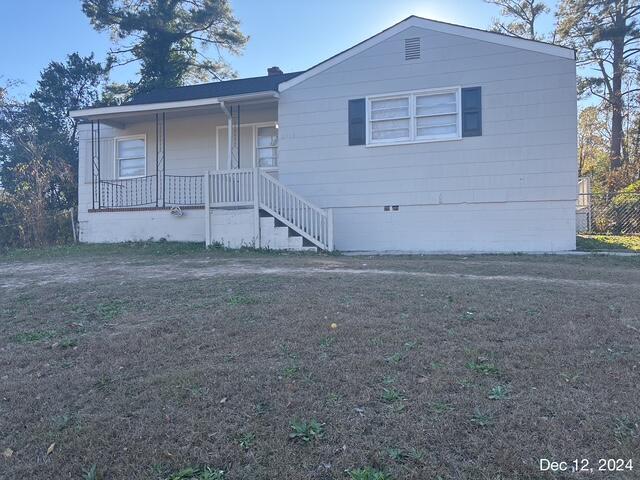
column 511, row 189
column 233, row 228
column 190, row 150
column 112, row 227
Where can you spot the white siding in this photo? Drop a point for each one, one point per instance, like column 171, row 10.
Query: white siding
column 511, row 189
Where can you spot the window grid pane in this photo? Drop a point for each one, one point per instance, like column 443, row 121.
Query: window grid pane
column 417, row 116
column 131, row 157
column 390, row 108
column 267, row 146
column 131, row 167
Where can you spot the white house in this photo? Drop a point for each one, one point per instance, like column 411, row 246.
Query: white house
column 425, row 137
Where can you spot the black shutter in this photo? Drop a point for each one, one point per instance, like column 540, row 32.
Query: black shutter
column 472, row 112
column 357, row 122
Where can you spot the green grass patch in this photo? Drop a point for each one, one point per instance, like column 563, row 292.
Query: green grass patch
column 197, row 473
column 600, row 243
column 35, row 336
column 368, row 474
column 110, row 310
column 306, row 431
column 484, row 367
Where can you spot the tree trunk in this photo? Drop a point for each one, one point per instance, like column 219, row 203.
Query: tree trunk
column 617, row 106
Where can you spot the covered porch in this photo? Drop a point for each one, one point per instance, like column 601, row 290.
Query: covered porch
column 216, row 155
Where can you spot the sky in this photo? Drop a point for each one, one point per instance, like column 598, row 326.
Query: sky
column 292, row 34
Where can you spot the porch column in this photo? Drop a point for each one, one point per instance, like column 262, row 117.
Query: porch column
column 206, row 183
column 229, row 114
column 98, row 168
column 93, row 168
column 157, row 160
column 164, row 161
column 161, row 159
column 256, row 208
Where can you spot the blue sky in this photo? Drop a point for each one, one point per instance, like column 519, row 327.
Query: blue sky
column 292, row 34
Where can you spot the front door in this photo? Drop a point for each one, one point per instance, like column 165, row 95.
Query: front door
column 258, row 146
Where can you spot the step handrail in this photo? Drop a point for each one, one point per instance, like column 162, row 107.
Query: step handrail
column 312, row 222
column 243, row 187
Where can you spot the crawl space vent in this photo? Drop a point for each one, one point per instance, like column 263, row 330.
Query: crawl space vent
column 412, row 48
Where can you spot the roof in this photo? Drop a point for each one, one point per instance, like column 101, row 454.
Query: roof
column 213, row 90
column 435, row 25
column 211, row 93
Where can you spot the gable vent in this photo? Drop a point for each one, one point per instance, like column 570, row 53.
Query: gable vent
column 412, row 48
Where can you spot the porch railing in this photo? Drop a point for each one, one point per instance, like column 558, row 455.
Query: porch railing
column 223, row 188
column 151, row 191
column 231, row 188
column 310, row 221
column 184, row 190
column 127, row 192
column 253, row 187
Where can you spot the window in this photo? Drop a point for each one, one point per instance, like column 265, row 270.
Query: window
column 267, row 146
column 390, row 119
column 131, row 158
column 414, row 117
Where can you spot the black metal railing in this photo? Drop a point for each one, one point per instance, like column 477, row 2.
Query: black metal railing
column 608, row 213
column 183, row 190
column 150, row 191
column 128, row 192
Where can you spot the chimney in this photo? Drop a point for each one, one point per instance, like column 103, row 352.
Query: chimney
column 274, row 71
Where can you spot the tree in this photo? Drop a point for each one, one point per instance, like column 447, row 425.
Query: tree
column 593, row 136
column 520, row 18
column 73, row 85
column 605, row 34
column 169, row 38
column 36, row 176
column 39, row 149
column 44, row 120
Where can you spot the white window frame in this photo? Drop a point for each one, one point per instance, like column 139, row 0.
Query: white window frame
column 117, row 158
column 256, row 158
column 413, row 138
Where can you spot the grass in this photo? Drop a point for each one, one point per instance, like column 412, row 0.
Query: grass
column 306, row 431
column 168, row 362
column 499, row 392
column 603, row 243
column 368, row 473
column 483, row 367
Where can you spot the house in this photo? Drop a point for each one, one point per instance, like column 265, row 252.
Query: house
column 425, row 137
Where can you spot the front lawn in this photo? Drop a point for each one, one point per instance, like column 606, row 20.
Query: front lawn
column 603, row 243
column 219, row 365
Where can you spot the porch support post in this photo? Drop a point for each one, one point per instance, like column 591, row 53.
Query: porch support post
column 256, row 207
column 157, row 161
column 229, row 115
column 98, row 166
column 330, row 229
column 238, row 129
column 207, row 208
column 164, row 160
column 93, row 168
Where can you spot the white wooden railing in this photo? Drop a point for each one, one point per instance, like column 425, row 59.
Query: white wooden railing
column 313, row 223
column 254, row 187
column 231, row 188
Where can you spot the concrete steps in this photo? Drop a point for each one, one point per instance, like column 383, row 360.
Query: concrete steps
column 274, row 235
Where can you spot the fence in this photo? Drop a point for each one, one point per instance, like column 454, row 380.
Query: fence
column 616, row 213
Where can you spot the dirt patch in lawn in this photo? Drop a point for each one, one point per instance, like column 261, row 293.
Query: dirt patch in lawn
column 458, row 367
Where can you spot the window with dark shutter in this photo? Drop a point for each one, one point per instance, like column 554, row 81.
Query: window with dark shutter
column 472, row 112
column 357, row 122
